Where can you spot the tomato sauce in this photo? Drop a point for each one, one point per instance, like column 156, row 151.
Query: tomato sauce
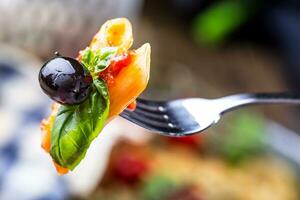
column 116, row 65
column 132, row 106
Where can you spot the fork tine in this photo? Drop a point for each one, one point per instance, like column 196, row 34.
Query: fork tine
column 152, row 120
column 153, row 115
column 154, row 125
column 153, row 106
column 167, row 116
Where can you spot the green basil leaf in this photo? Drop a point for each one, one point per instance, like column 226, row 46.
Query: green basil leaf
column 87, row 58
column 99, row 60
column 102, row 58
column 76, row 126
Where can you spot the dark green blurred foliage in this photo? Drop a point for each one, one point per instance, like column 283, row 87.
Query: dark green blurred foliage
column 214, row 24
column 157, row 187
column 244, row 137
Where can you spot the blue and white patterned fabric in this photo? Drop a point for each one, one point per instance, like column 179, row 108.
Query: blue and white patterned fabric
column 26, row 172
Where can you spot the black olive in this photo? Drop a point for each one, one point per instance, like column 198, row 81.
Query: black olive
column 65, row 80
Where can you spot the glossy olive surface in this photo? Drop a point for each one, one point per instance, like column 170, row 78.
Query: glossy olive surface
column 65, row 80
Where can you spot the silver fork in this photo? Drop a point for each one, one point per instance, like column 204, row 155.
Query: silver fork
column 185, row 117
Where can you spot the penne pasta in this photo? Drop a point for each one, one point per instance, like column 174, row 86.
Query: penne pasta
column 125, row 76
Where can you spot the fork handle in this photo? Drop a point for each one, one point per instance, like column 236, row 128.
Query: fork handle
column 238, row 100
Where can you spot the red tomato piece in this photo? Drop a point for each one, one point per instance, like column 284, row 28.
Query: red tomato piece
column 116, row 65
column 132, row 106
column 130, row 168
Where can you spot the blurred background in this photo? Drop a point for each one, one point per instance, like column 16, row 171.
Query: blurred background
column 200, row 48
